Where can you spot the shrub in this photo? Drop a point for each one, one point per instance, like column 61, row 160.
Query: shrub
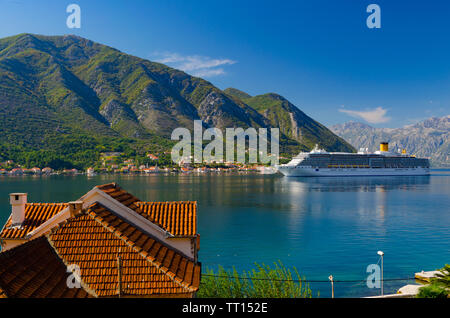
column 439, row 287
column 262, row 282
column 432, row 291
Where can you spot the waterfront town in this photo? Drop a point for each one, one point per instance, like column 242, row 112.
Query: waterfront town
column 116, row 163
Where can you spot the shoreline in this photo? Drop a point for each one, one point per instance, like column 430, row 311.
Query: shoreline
column 222, row 171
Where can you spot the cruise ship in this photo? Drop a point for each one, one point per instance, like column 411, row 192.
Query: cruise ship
column 320, row 163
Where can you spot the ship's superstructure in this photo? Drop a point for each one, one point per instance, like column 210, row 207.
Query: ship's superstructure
column 319, row 163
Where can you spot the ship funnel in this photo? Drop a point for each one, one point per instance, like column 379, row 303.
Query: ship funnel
column 384, row 146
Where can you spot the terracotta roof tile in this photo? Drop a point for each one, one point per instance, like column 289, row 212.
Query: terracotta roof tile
column 177, row 218
column 33, row 270
column 93, row 241
column 35, row 215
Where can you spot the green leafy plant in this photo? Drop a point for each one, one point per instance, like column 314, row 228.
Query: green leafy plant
column 432, row 291
column 439, row 286
column 262, row 282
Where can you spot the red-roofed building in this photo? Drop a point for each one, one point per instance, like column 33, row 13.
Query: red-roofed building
column 115, row 245
column 152, row 157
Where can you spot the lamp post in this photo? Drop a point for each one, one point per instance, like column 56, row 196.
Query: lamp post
column 381, row 253
column 332, row 285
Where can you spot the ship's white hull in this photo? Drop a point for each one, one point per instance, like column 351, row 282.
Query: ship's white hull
column 299, row 171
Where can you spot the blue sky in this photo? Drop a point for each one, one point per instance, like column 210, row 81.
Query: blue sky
column 318, row 54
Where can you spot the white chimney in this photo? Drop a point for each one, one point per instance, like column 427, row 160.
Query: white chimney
column 18, row 202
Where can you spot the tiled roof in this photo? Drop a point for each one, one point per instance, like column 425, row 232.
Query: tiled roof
column 94, row 240
column 33, row 270
column 35, row 215
column 177, row 218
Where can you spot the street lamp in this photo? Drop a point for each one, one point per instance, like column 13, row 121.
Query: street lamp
column 381, row 253
column 331, row 278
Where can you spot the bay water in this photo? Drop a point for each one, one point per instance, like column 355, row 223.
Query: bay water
column 322, row 226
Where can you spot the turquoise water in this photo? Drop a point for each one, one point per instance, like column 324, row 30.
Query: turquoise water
column 321, row 226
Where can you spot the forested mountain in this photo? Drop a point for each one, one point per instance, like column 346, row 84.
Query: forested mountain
column 68, row 97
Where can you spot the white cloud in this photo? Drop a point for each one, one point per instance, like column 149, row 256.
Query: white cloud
column 197, row 65
column 373, row 116
column 209, row 72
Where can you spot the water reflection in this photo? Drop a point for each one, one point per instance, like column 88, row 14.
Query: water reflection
column 365, row 203
column 322, row 226
column 356, row 184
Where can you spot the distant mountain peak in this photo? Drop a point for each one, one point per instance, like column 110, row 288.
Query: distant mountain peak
column 429, row 138
column 435, row 122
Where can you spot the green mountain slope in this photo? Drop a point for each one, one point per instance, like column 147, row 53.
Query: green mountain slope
column 237, row 93
column 66, row 90
column 292, row 122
